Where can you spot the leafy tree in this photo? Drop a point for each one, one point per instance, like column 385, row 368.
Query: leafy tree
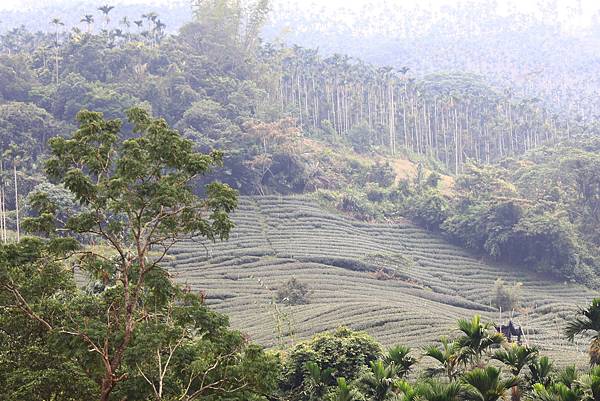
column 136, row 199
column 35, row 289
column 230, row 29
column 344, row 392
column 486, row 384
column 382, row 174
column 345, row 352
column 587, row 321
column 27, row 126
column 318, row 381
column 361, row 137
column 427, row 208
column 378, row 383
column 434, row 390
column 516, row 357
column 506, row 298
column 398, row 357
column 16, row 78
column 74, row 93
column 541, row 371
column 476, row 338
column 448, row 356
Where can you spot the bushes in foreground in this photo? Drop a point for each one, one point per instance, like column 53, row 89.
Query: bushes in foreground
column 476, row 365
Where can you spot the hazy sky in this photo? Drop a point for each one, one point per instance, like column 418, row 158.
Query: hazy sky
column 20, row 4
column 525, row 5
column 586, row 8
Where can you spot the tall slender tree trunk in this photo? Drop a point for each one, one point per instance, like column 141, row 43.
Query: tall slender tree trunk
column 316, row 119
column 56, row 57
column 299, row 98
column 456, row 145
column 2, row 216
column 369, row 111
column 404, row 123
column 3, row 235
column 17, row 202
column 392, row 119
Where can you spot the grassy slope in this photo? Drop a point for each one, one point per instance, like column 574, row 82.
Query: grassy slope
column 435, row 283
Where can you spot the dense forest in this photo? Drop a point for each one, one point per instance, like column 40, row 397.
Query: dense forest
column 120, row 139
column 265, row 105
column 529, row 52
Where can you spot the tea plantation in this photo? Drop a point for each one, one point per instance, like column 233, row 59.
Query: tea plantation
column 396, row 281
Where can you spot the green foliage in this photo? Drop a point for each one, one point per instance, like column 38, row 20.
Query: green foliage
column 136, row 189
column 541, row 370
column 75, row 93
column 381, row 174
column 379, row 382
column 135, row 335
column 486, row 384
column 49, row 363
column 27, row 126
column 587, row 321
column 356, row 204
column 427, row 208
column 398, row 357
column 214, row 80
column 317, row 381
column 448, row 356
column 516, row 357
column 517, row 217
column 434, row 390
column 15, row 81
column 476, row 338
column 343, row 353
column 34, row 366
column 382, row 380
column 361, row 137
column 229, row 29
column 344, row 392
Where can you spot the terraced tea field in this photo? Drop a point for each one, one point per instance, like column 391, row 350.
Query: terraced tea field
column 398, row 282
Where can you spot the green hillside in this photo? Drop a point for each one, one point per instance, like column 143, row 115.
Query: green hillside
column 397, row 282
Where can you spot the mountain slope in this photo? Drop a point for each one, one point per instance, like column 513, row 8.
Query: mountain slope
column 398, row 282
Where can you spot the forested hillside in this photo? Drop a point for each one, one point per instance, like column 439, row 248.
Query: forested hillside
column 544, row 52
column 291, row 120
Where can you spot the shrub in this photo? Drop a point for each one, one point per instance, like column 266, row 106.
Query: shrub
column 428, row 209
column 360, row 137
column 294, row 292
column 345, row 352
column 433, row 180
column 506, row 298
column 375, row 193
column 382, row 174
column 354, row 203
